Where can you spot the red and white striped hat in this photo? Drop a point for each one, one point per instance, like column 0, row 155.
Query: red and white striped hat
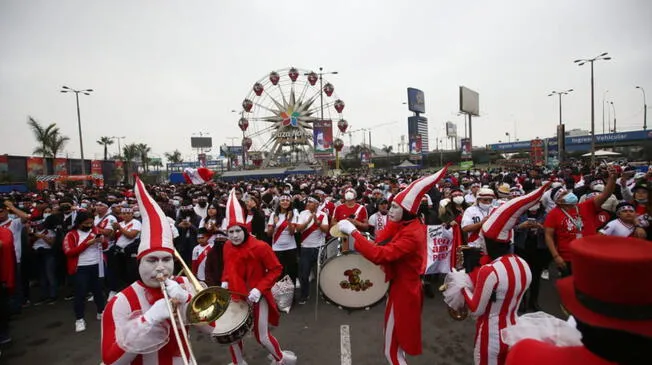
column 156, row 233
column 501, row 221
column 410, row 197
column 234, row 213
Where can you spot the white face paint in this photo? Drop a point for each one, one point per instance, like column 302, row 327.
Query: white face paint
column 153, row 264
column 236, row 235
column 395, row 213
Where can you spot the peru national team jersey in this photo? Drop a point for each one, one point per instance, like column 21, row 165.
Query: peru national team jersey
column 342, row 212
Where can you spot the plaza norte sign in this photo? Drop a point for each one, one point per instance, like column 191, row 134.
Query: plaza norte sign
column 577, row 143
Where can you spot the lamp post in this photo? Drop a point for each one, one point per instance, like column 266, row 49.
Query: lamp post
column 321, row 73
column 66, row 89
column 119, row 148
column 581, row 62
column 614, row 109
column 644, row 108
column 560, row 94
column 508, row 137
column 604, row 95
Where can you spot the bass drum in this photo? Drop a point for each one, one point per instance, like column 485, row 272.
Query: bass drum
column 234, row 324
column 350, row 280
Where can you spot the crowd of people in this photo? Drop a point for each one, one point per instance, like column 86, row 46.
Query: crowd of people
column 82, row 243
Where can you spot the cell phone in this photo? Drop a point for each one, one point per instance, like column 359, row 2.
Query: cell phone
column 352, row 216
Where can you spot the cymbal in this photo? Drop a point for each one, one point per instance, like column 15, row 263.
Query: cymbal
column 335, row 232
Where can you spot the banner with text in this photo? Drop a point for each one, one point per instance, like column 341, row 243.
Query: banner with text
column 441, row 257
column 323, row 138
column 35, row 166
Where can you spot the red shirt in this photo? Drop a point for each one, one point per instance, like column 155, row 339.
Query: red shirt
column 566, row 231
column 7, row 258
column 342, row 212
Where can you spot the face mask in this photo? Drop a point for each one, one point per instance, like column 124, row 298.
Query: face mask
column 395, row 213
column 203, row 204
column 136, row 214
column 84, row 205
column 485, row 207
column 570, row 199
column 598, row 187
column 236, row 235
column 641, row 201
column 458, row 200
column 46, row 215
column 175, row 203
column 349, row 195
column 153, row 264
column 85, row 228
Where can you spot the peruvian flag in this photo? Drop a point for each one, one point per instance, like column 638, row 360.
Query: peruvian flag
column 197, row 176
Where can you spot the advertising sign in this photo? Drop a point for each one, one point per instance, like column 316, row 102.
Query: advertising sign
column 451, row 130
column 415, row 146
column 4, row 164
column 61, row 166
column 323, row 138
column 469, row 101
column 201, row 142
column 466, row 165
column 365, row 157
column 416, row 101
column 536, row 152
column 466, row 148
column 96, row 167
column 35, row 166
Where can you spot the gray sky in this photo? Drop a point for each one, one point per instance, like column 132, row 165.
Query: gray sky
column 163, row 70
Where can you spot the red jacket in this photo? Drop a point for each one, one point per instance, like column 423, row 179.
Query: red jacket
column 7, row 259
column 252, row 264
column 404, row 260
column 532, row 352
column 73, row 248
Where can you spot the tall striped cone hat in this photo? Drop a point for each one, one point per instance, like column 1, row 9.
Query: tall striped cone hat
column 156, row 233
column 501, row 221
column 234, row 212
column 410, row 197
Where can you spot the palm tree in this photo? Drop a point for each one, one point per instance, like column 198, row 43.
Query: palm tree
column 355, row 151
column 129, row 153
column 387, row 149
column 157, row 163
column 173, row 157
column 43, row 137
column 143, row 150
column 57, row 142
column 106, row 142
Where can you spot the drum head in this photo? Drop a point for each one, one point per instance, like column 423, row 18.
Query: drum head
column 352, row 281
column 234, row 316
column 330, row 249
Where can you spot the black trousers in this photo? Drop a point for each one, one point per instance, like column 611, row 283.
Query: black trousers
column 288, row 259
column 4, row 311
column 538, row 260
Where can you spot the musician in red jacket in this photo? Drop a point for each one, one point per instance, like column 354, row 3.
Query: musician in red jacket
column 610, row 296
column 251, row 267
column 7, row 280
column 401, row 249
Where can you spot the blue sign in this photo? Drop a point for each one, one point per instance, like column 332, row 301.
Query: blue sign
column 577, row 143
column 416, row 100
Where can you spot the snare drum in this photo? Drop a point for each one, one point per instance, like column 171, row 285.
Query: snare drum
column 351, row 281
column 234, row 324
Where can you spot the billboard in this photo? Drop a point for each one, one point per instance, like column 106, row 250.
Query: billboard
column 415, row 145
column 323, row 138
column 466, row 149
column 4, row 164
column 96, row 167
column 451, row 130
column 201, row 142
column 35, row 166
column 469, row 101
column 61, row 166
column 416, row 101
column 536, row 152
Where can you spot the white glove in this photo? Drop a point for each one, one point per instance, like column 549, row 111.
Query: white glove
column 225, row 284
column 346, row 227
column 254, row 295
column 158, row 312
column 176, row 292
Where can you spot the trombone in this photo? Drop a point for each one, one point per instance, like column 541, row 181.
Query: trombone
column 207, row 305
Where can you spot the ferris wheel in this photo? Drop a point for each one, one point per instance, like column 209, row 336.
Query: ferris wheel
column 279, row 116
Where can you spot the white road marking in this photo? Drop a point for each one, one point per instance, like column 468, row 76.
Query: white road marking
column 345, row 344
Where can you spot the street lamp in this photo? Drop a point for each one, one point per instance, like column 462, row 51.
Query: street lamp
column 644, row 108
column 508, row 137
column 66, row 89
column 119, row 149
column 321, row 73
column 614, row 109
column 560, row 93
column 604, row 95
column 581, row 62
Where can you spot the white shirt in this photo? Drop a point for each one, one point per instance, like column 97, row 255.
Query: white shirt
column 202, row 212
column 469, row 198
column 201, row 269
column 316, row 238
column 547, row 202
column 123, row 241
column 474, row 215
column 40, row 243
column 91, row 255
column 15, row 225
column 618, row 228
column 285, row 240
column 378, row 221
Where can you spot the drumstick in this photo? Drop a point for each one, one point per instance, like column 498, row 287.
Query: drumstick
column 321, row 248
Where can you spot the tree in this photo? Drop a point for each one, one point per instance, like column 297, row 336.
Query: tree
column 57, row 142
column 43, row 137
column 174, row 156
column 355, row 152
column 129, row 153
column 387, row 149
column 106, row 142
column 143, row 150
column 157, row 163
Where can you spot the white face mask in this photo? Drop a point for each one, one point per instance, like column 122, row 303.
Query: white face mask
column 176, row 203
column 349, row 195
column 485, row 207
column 236, row 235
column 395, row 213
column 153, row 264
column 45, row 215
column 458, row 200
column 599, row 187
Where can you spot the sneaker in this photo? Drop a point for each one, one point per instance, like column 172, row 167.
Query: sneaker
column 90, row 298
column 80, row 325
column 289, row 358
column 69, row 297
column 545, row 275
column 40, row 301
column 303, row 301
column 99, row 316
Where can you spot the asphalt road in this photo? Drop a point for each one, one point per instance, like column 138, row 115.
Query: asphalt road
column 45, row 334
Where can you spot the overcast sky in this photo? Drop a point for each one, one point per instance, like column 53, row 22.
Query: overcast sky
column 163, row 70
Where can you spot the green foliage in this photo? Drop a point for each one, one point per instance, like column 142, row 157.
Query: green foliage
column 106, row 142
